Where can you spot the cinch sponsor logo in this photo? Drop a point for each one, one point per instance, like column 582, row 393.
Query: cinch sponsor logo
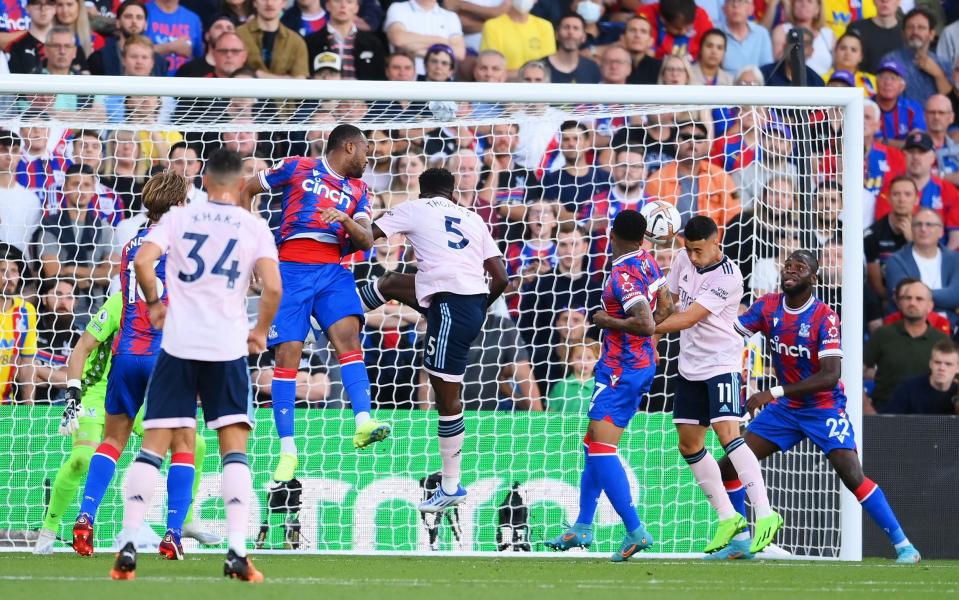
column 795, row 351
column 318, row 187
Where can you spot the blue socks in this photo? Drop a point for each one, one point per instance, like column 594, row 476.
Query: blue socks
column 179, row 485
column 874, row 502
column 103, row 465
column 589, row 489
column 284, row 398
column 356, row 382
column 737, row 495
column 610, row 475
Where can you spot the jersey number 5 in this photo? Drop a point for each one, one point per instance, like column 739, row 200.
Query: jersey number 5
column 232, row 273
column 451, row 227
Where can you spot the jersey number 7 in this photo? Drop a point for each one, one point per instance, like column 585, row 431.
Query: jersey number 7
column 231, row 273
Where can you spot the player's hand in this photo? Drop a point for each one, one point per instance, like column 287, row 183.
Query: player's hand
column 256, row 342
column 157, row 315
column 602, row 319
column 759, row 400
column 332, row 215
column 70, row 422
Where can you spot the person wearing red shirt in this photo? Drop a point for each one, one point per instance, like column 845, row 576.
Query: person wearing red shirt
column 678, row 26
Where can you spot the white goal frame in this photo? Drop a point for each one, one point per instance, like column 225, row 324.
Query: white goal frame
column 849, row 100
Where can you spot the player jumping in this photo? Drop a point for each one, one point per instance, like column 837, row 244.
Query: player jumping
column 134, row 353
column 454, row 253
column 92, row 357
column 324, row 203
column 213, row 248
column 809, row 402
column 624, row 374
column 708, row 287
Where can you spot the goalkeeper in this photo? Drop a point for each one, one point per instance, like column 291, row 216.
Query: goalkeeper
column 84, row 422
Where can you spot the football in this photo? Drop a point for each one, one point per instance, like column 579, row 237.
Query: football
column 662, row 221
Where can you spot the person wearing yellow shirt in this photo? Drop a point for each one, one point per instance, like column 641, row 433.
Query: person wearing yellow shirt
column 847, row 58
column 519, row 36
column 18, row 330
column 840, row 13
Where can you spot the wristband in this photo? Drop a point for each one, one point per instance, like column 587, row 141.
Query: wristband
column 74, row 383
column 777, row 392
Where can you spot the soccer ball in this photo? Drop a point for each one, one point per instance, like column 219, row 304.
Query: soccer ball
column 662, row 221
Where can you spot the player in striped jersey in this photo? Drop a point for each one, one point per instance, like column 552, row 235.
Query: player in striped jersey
column 135, row 349
column 708, row 287
column 804, row 340
column 635, row 297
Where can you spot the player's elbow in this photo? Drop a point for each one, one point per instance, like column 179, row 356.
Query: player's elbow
column 642, row 328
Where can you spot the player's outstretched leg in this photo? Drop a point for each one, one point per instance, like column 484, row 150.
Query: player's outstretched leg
column 64, row 492
column 192, row 529
column 179, row 485
column 873, row 500
column 580, row 534
column 451, row 431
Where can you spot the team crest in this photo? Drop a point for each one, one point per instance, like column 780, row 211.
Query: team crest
column 273, row 334
column 627, row 284
column 804, row 330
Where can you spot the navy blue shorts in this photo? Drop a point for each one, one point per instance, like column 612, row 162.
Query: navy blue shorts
column 326, row 292
column 828, row 428
column 616, row 396
column 223, row 388
column 127, row 383
column 452, row 324
column 712, row 400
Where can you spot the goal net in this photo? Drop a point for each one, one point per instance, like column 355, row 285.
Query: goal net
column 548, row 167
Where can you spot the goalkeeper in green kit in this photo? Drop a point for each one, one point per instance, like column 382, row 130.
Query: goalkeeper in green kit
column 87, row 371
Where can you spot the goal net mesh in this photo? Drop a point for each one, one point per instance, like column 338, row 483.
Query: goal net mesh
column 548, row 179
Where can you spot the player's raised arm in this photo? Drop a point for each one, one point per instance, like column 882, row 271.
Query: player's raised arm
column 640, row 320
column 268, row 274
column 665, row 305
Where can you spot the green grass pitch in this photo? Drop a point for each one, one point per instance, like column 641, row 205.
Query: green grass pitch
column 199, row 577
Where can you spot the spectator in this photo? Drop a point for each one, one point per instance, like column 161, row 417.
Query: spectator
column 626, row 193
column 306, row 17
column 144, row 111
column 848, row 57
column 737, row 146
column 902, row 350
column 948, row 45
column 827, row 206
column 361, row 51
column 579, row 181
column 639, row 41
column 131, row 22
column 880, row 34
column 567, row 65
column 569, row 285
column 76, row 244
column 88, row 150
column 62, row 51
column 889, row 234
column 440, row 63
column 273, row 50
column 939, row 118
column 412, row 26
column 19, row 331
column 900, row 115
column 490, row 67
column 679, row 24
column 692, row 183
column 56, row 337
column 925, row 260
column 519, row 36
column 508, row 181
column 72, row 14
column 405, row 183
column 708, row 68
column 829, row 287
column 882, row 162
column 379, row 171
column 40, row 170
column 754, row 231
column 184, row 160
column 536, row 253
column 573, row 394
column 400, row 66
column 176, row 33
column 124, row 170
column 780, row 73
column 20, row 209
column 934, row 193
column 808, row 15
column 465, row 167
column 934, row 394
column 750, row 76
column 775, row 152
column 925, row 72
column 205, row 65
column 569, row 329
column 238, row 11
column 600, row 33
column 614, row 66
column 27, row 52
column 748, row 43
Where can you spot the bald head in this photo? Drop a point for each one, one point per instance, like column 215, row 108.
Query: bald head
column 939, row 115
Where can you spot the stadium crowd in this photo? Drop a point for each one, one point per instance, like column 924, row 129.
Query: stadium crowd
column 547, row 183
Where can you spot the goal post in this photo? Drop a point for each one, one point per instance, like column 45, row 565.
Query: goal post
column 363, row 502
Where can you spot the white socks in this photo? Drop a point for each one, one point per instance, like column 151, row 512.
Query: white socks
column 451, row 432
column 747, row 466
column 710, row 480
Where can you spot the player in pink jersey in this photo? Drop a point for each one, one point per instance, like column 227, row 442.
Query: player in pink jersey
column 803, row 335
column 212, row 250
column 708, row 287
